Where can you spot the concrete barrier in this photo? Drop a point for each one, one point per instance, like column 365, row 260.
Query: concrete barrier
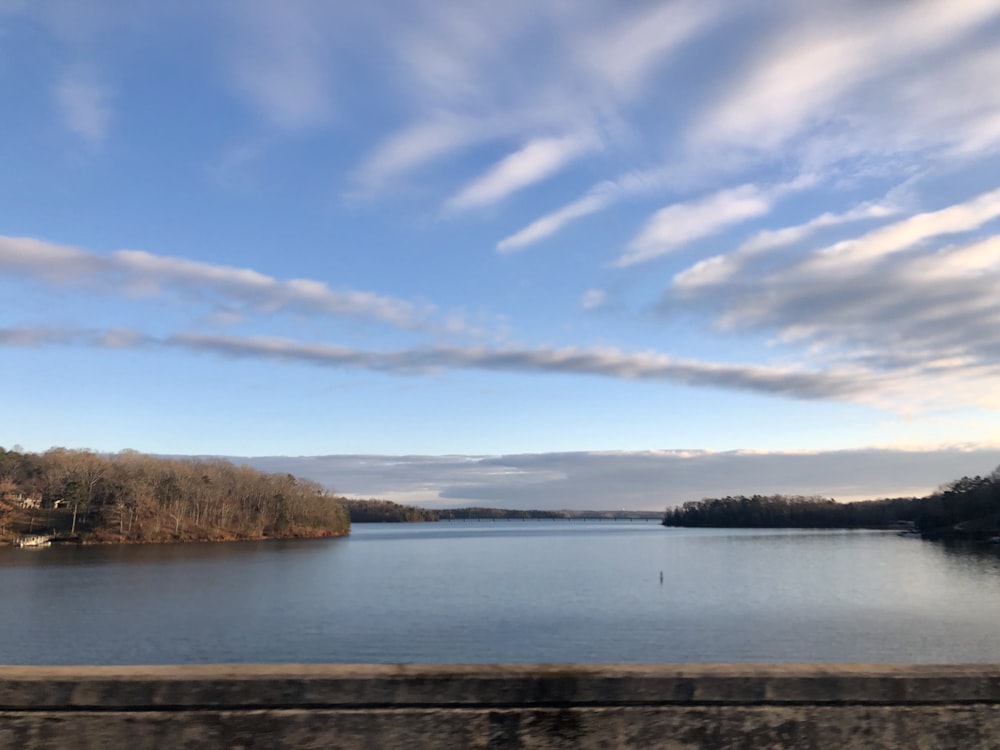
column 674, row 707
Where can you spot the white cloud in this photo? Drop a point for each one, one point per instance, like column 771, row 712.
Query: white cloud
column 955, row 100
column 477, row 73
column 84, row 104
column 791, row 382
column 968, row 261
column 787, row 381
column 533, row 163
column 601, row 196
column 625, row 53
column 418, row 145
column 140, row 273
column 772, row 238
column 551, row 223
column 905, row 234
column 47, row 261
column 680, row 223
column 919, row 314
column 719, row 268
column 593, row 298
column 803, row 73
column 445, row 52
column 280, row 60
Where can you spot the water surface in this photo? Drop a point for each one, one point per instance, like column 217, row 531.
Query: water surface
column 506, row 592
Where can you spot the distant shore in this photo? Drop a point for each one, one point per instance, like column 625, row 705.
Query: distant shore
column 385, row 511
column 965, row 509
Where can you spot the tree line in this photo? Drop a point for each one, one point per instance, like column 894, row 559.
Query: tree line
column 969, row 506
column 385, row 511
column 133, row 497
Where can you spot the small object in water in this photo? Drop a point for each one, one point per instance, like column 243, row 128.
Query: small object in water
column 661, row 576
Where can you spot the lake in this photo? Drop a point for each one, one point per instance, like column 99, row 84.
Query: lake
column 521, row 591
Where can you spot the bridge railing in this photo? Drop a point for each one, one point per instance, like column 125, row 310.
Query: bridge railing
column 675, row 707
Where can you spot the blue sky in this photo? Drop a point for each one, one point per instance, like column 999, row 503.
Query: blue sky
column 504, row 229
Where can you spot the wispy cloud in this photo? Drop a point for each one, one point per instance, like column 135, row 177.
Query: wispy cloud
column 680, row 223
column 280, row 61
column 84, row 104
column 533, row 163
column 772, row 238
column 821, row 86
column 902, row 235
column 787, row 381
column 601, row 196
column 418, row 145
column 593, row 298
column 900, row 301
column 468, row 88
column 790, row 382
column 551, row 223
column 719, row 268
column 625, row 54
column 140, row 273
column 804, row 71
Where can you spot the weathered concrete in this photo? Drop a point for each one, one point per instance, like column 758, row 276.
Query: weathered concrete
column 675, row 707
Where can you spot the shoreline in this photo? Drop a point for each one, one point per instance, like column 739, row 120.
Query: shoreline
column 12, row 542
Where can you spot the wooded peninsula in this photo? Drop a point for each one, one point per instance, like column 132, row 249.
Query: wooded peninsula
column 86, row 497
column 968, row 508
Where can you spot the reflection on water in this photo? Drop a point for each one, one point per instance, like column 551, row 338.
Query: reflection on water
column 524, row 591
column 968, row 558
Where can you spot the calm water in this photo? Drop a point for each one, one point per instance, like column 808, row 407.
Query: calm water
column 506, row 592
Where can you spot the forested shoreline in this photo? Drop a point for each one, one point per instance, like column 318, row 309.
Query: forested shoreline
column 966, row 508
column 386, row 511
column 82, row 496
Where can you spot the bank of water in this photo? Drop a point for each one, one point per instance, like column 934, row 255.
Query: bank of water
column 524, row 591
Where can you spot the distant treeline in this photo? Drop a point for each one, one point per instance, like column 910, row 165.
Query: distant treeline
column 384, row 511
column 966, row 507
column 132, row 497
column 462, row 514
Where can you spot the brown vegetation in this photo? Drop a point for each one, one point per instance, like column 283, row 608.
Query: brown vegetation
column 131, row 497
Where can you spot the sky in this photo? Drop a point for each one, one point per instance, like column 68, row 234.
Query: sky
column 508, row 253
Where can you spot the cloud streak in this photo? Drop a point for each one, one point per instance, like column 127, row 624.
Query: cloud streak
column 718, row 268
column 905, row 234
column 804, row 73
column 611, row 363
column 279, row 61
column 140, row 273
column 467, row 87
column 533, row 163
column 85, row 105
column 897, row 300
column 625, row 54
column 676, row 225
column 551, row 223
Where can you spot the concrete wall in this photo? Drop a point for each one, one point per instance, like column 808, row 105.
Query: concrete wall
column 674, row 707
